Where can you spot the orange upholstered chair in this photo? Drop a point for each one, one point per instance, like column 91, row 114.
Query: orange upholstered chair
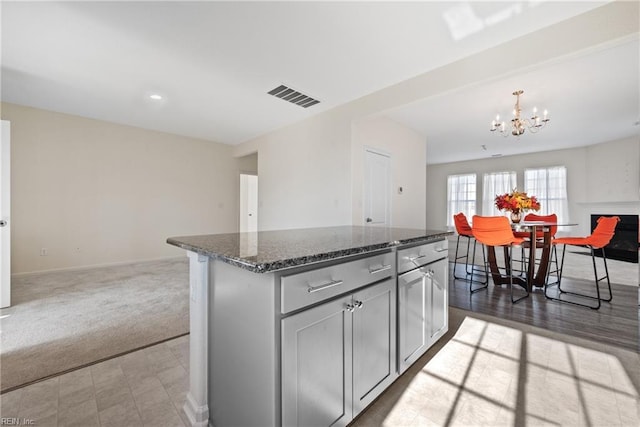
column 539, row 233
column 496, row 231
column 600, row 237
column 464, row 230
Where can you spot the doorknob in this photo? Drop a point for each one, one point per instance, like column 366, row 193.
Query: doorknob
column 369, row 220
column 3, row 222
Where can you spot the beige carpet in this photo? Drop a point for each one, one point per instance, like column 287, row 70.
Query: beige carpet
column 63, row 320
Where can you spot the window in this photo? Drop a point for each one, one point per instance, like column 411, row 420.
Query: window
column 549, row 185
column 496, row 183
column 461, row 196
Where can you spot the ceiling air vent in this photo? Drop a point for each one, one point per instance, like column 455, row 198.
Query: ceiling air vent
column 293, row 96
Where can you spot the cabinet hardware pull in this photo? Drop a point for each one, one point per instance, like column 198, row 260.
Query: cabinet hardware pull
column 331, row 284
column 350, row 308
column 378, row 270
column 415, row 258
column 442, row 249
column 358, row 304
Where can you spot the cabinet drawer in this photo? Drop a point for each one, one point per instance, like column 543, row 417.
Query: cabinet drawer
column 310, row 287
column 416, row 256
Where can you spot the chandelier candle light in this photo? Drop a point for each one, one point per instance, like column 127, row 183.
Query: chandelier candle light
column 517, row 202
column 518, row 124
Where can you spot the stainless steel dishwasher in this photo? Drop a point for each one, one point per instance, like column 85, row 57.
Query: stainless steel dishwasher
column 422, row 299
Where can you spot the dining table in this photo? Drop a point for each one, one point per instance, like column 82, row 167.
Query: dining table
column 533, row 277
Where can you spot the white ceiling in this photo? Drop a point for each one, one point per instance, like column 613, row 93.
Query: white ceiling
column 214, row 63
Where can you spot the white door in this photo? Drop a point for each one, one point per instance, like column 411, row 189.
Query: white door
column 248, row 203
column 5, row 220
column 377, row 188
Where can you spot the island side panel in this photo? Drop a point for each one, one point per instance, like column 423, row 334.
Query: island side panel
column 244, row 347
column 196, row 402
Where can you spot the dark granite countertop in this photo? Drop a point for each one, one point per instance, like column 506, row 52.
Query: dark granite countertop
column 268, row 251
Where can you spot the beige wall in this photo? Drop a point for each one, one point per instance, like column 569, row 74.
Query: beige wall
column 601, row 179
column 304, row 173
column 93, row 192
column 408, row 151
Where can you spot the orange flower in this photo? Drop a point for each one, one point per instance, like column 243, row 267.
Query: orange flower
column 517, row 201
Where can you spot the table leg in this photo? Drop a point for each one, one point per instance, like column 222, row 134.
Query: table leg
column 541, row 275
column 531, row 268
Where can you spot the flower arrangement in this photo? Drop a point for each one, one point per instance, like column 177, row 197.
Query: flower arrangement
column 516, row 202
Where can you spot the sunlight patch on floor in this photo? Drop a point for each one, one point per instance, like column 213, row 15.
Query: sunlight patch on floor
column 490, row 374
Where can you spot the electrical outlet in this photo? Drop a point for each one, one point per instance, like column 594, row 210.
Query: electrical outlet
column 44, row 252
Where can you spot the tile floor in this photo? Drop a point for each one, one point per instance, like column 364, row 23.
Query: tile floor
column 487, row 373
column 143, row 388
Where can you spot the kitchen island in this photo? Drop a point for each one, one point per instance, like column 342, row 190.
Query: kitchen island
column 308, row 326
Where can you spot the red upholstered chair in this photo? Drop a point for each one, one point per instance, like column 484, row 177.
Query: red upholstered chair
column 464, row 230
column 600, row 237
column 496, row 231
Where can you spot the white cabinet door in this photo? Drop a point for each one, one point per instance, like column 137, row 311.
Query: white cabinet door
column 316, row 366
column 438, row 300
column 413, row 316
column 423, row 310
column 374, row 342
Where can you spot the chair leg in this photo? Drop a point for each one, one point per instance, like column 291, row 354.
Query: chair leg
column 484, row 284
column 553, row 259
column 514, row 300
column 470, row 268
column 456, row 258
column 597, row 280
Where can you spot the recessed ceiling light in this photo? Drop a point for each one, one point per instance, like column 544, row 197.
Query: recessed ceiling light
column 155, row 97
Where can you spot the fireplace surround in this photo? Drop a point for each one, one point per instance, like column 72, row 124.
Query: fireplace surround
column 625, row 242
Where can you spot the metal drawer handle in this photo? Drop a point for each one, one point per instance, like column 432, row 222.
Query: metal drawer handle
column 378, row 270
column 415, row 258
column 442, row 249
column 352, row 307
column 331, row 284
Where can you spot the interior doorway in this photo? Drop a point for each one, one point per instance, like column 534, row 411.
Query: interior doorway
column 5, row 213
column 377, row 188
column 248, row 203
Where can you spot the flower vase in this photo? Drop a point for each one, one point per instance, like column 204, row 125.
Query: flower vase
column 516, row 217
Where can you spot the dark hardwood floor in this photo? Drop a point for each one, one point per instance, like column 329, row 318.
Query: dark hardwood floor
column 615, row 323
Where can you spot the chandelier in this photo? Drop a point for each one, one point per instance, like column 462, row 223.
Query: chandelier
column 518, row 124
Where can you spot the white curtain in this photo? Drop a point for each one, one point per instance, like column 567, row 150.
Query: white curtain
column 549, row 185
column 496, row 183
column 461, row 196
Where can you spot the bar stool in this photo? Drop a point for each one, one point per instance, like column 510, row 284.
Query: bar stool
column 599, row 238
column 464, row 230
column 496, row 231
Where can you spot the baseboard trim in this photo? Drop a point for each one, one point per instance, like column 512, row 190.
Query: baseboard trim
column 92, row 266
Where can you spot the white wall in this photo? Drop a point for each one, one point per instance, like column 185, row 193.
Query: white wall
column 92, row 192
column 304, row 174
column 407, row 149
column 305, row 170
column 601, row 179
